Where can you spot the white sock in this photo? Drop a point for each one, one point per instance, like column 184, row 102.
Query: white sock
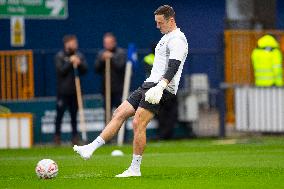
column 136, row 162
column 98, row 142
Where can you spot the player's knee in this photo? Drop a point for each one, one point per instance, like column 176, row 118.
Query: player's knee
column 138, row 125
column 118, row 114
column 135, row 124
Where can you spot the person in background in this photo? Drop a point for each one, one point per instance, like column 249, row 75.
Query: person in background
column 65, row 62
column 167, row 116
column 117, row 58
column 267, row 62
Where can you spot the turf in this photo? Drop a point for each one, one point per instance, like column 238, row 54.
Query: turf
column 243, row 163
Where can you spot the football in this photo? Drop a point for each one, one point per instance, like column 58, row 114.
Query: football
column 46, row 169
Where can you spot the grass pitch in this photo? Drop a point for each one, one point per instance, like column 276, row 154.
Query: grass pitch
column 244, row 163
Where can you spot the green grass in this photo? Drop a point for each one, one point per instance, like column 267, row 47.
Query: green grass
column 244, row 163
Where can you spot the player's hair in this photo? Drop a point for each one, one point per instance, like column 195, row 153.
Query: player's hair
column 68, row 38
column 165, row 10
column 109, row 34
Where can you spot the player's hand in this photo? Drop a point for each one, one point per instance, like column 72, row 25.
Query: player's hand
column 75, row 60
column 154, row 94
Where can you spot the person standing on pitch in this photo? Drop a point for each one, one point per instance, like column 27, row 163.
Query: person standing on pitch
column 65, row 61
column 145, row 102
column 117, row 58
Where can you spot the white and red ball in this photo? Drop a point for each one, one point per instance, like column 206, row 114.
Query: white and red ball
column 46, row 169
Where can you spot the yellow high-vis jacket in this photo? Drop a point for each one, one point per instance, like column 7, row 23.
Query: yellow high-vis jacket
column 148, row 63
column 149, row 59
column 267, row 62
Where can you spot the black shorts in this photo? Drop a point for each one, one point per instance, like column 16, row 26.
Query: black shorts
column 137, row 98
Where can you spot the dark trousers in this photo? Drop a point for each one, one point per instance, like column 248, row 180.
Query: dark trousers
column 64, row 102
column 167, row 118
column 116, row 99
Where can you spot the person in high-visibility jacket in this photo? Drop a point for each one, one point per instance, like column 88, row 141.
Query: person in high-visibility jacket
column 267, row 62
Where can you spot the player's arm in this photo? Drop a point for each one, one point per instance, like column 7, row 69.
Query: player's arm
column 173, row 67
column 178, row 49
column 155, row 94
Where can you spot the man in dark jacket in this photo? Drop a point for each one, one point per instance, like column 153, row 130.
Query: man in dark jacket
column 117, row 58
column 66, row 61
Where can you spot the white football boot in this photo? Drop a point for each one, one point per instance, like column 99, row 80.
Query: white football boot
column 129, row 173
column 84, row 151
